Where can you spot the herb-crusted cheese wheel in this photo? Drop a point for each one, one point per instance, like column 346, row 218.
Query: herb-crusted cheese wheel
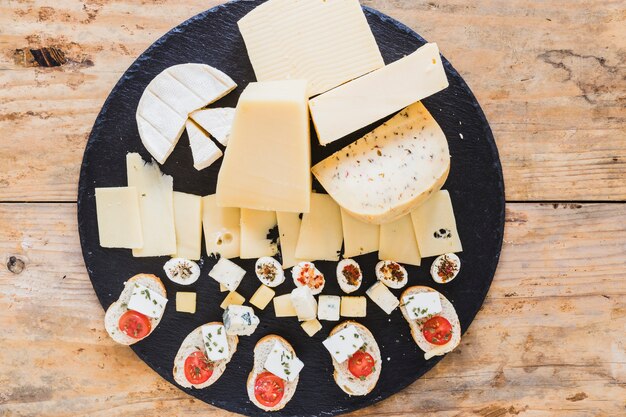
column 391, row 170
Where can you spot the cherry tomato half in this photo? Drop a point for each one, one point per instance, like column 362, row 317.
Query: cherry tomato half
column 361, row 364
column 437, row 331
column 135, row 324
column 198, row 369
column 269, row 389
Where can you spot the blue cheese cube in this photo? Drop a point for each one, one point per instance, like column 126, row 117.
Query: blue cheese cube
column 304, row 303
column 422, row 305
column 344, row 343
column 283, row 363
column 215, row 342
column 146, row 301
column 240, row 320
column 227, row 273
column 328, row 308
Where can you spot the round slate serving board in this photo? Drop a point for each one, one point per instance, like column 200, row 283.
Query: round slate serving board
column 475, row 184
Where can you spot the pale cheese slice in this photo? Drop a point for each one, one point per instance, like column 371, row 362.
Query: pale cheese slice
column 218, row 122
column 397, row 242
column 188, row 222
column 221, row 228
column 359, row 238
column 435, row 226
column 289, row 230
column 119, row 223
column 321, row 234
column 203, row 150
column 255, row 227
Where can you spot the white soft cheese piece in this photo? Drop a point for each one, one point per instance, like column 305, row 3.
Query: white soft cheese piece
column 398, row 243
column 328, row 307
column 222, row 233
column 435, row 226
column 378, row 94
column 203, row 150
column 146, row 301
column 119, row 223
column 324, row 42
column 321, row 234
column 240, row 320
column 228, row 273
column 304, row 303
column 383, row 297
column 422, row 305
column 218, row 122
column 188, row 224
column 170, row 97
column 283, row 363
column 255, row 226
column 359, row 237
column 389, row 171
column 215, row 341
column 344, row 343
column 156, row 206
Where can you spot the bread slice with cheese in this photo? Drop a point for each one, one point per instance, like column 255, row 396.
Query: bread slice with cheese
column 447, row 311
column 119, row 307
column 261, row 352
column 192, row 343
column 350, row 384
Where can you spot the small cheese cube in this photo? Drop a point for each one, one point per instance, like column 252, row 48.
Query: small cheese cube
column 146, row 301
column 422, row 304
column 304, row 303
column 344, row 343
column 233, row 298
column 186, row 302
column 311, row 327
column 283, row 307
column 223, row 288
column 353, row 306
column 380, row 294
column 262, row 297
column 328, row 308
column 228, row 273
column 215, row 341
column 283, row 363
column 240, row 320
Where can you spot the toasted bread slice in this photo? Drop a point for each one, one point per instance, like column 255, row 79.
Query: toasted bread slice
column 119, row 307
column 350, row 384
column 192, row 343
column 447, row 311
column 261, row 351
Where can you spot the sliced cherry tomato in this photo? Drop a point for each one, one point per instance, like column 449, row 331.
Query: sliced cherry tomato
column 198, row 369
column 135, row 324
column 437, row 331
column 269, row 389
column 361, row 364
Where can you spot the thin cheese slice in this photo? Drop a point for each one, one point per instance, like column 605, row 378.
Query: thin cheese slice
column 188, row 222
column 359, row 238
column 397, row 242
column 324, row 42
column 203, row 150
column 321, row 234
column 289, row 230
column 156, row 206
column 119, row 224
column 378, row 94
column 391, row 170
column 255, row 227
column 266, row 165
column 221, row 228
column 218, row 122
column 435, row 226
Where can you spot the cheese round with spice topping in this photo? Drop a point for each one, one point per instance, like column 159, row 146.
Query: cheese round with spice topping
column 392, row 274
column 445, row 268
column 349, row 275
column 305, row 273
column 269, row 271
column 182, row 271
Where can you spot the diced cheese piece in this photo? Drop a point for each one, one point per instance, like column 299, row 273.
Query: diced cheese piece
column 267, row 162
column 378, row 94
column 289, row 230
column 353, row 306
column 221, row 228
column 119, row 224
column 223, row 288
column 255, row 227
column 435, row 226
column 311, row 327
column 240, row 320
column 321, row 235
column 383, row 297
column 233, row 298
column 344, row 343
column 283, row 363
column 188, row 221
column 304, row 303
column 186, row 302
column 324, row 42
column 389, row 171
column 262, row 297
column 156, row 206
column 328, row 307
column 397, row 242
column 359, row 238
column 215, row 342
column 228, row 273
column 217, row 121
column 422, row 304
column 146, row 301
column 283, row 307
column 203, row 150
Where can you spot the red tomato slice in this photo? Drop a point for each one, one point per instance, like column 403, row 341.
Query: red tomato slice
column 269, row 389
column 198, row 369
column 437, row 331
column 135, row 324
column 361, row 364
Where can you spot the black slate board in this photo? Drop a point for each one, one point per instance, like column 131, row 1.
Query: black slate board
column 475, row 184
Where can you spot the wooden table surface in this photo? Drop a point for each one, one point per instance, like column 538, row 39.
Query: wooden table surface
column 550, row 339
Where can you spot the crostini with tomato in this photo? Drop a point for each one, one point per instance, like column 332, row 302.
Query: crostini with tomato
column 137, row 311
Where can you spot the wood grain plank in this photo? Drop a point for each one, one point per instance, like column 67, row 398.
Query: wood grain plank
column 549, row 339
column 551, row 77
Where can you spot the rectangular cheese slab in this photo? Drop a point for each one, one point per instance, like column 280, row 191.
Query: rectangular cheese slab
column 304, row 303
column 311, row 327
column 267, row 163
column 283, row 363
column 435, row 226
column 329, row 307
column 262, row 297
column 378, row 94
column 215, row 341
column 352, row 306
column 156, row 206
column 283, row 307
column 344, row 343
column 119, row 223
column 422, row 304
column 228, row 273
column 321, row 234
column 359, row 237
column 188, row 222
column 383, row 297
column 255, row 227
column 146, row 301
column 288, row 231
column 186, row 302
column 397, row 242
column 221, row 228
column 324, row 42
